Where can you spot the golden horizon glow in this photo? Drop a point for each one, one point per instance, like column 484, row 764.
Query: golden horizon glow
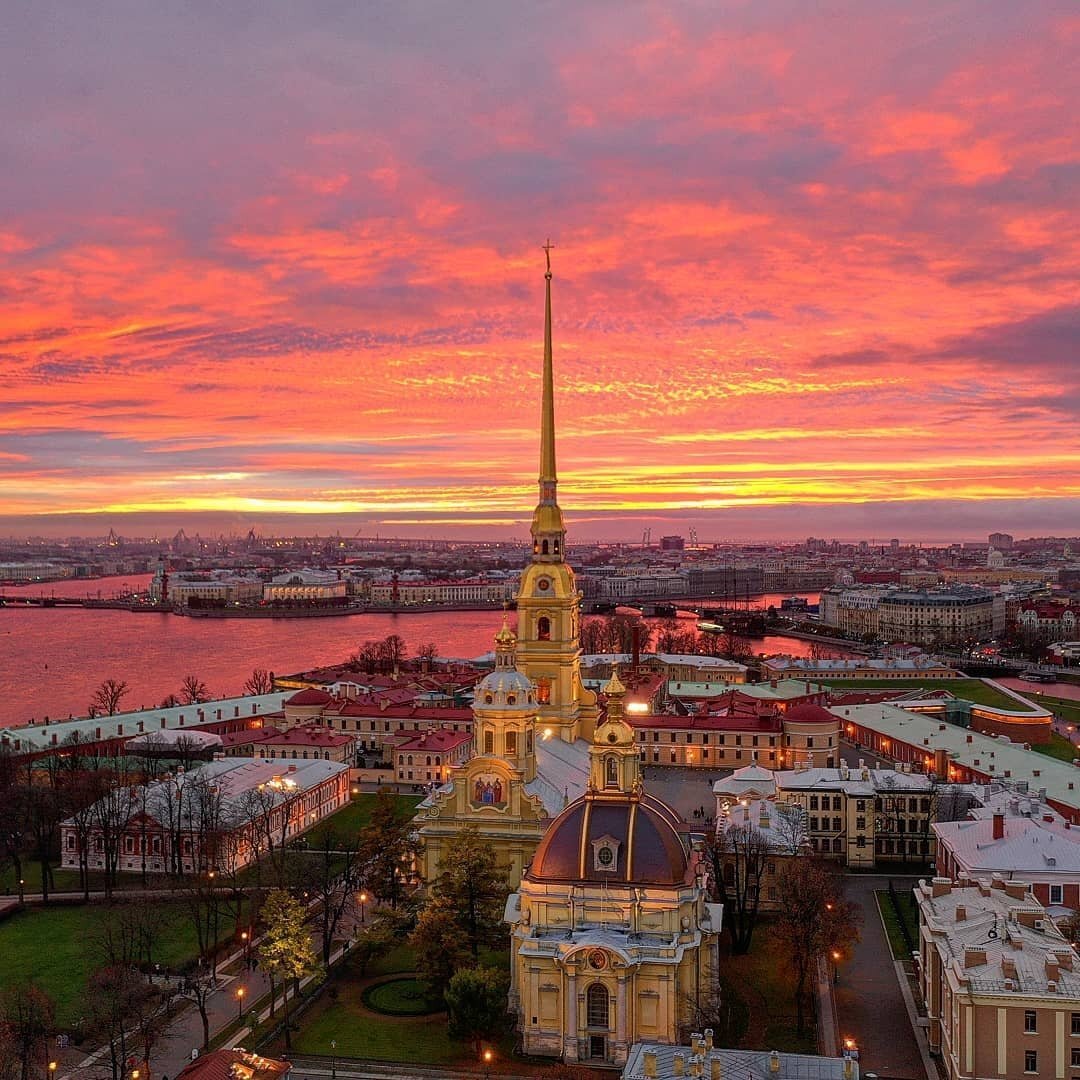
column 794, row 285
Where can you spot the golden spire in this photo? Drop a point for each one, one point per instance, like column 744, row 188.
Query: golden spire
column 548, row 530
column 547, row 430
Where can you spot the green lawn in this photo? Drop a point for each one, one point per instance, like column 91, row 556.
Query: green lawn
column 1069, row 711
column 897, row 943
column 761, row 984
column 975, row 690
column 340, row 1014
column 1058, row 747
column 350, row 819
column 54, row 947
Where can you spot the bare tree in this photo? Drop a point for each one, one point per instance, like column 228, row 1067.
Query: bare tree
column 193, row 690
column 427, row 652
column 392, row 651
column 27, row 1014
column 107, row 697
column 112, row 813
column 789, row 830
column 333, row 875
column 813, row 919
column 260, row 681
column 738, row 853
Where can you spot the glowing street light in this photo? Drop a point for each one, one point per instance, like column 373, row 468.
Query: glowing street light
column 488, row 1055
column 240, row 1002
column 363, row 901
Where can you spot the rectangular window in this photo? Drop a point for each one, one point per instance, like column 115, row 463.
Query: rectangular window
column 1076, row 1057
column 813, row 824
column 836, row 824
column 511, row 742
column 860, row 806
column 1076, row 1023
column 1030, row 1017
column 1031, row 1061
column 1056, row 894
column 860, row 823
column 813, row 802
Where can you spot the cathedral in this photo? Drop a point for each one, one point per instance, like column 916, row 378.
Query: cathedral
column 612, row 937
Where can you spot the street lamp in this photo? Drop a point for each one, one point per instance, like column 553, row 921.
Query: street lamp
column 333, row 1059
column 240, row 1002
column 487, row 1063
column 363, row 901
column 22, row 884
column 52, row 1069
column 835, row 966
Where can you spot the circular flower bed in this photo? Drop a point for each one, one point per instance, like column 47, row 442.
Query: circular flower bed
column 399, row 997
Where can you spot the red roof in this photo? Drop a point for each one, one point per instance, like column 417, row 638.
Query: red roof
column 217, row 1065
column 767, row 723
column 439, row 741
column 808, row 713
column 248, row 735
column 310, row 735
column 310, row 696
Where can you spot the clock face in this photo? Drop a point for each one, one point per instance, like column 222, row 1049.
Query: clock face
column 543, row 584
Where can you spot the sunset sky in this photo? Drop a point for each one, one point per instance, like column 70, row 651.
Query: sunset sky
column 816, row 266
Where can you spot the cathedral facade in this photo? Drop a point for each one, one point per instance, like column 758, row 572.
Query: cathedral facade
column 614, row 941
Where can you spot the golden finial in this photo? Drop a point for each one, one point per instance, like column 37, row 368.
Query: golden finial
column 614, row 684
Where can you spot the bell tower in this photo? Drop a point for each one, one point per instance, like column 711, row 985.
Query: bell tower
column 614, row 759
column 548, row 601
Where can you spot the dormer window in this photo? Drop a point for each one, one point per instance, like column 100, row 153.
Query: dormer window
column 606, row 854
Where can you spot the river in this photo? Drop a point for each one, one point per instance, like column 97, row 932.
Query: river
column 51, row 659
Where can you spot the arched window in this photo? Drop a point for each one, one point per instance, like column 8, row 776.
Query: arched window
column 596, row 1006
column 410, row 759
column 429, row 759
column 611, row 778
column 544, row 548
column 543, row 628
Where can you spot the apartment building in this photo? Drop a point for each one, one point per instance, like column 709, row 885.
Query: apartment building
column 999, row 981
column 864, row 816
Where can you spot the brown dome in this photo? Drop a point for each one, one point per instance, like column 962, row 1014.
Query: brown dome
column 640, row 831
column 808, row 713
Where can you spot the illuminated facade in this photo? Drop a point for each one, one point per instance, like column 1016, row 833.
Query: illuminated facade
column 613, row 939
column 496, row 791
column 548, row 600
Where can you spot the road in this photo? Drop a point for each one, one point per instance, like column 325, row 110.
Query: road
column 869, row 1003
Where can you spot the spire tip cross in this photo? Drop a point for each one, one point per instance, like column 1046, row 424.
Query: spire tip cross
column 548, row 245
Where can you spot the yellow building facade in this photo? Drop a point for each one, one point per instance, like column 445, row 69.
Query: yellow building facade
column 533, row 714
column 613, row 937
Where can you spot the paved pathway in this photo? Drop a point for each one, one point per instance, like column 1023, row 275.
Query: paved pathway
column 869, row 1003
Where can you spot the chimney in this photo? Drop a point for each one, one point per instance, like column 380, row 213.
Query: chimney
column 961, row 913
column 716, row 1072
column 999, row 826
column 648, row 1060
column 708, row 1038
column 1052, row 967
column 774, row 1062
column 974, row 957
column 940, row 887
column 678, row 1064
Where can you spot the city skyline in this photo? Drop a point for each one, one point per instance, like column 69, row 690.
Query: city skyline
column 285, row 272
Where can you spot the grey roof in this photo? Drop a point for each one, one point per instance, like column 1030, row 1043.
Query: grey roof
column 740, row 1064
column 42, row 736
